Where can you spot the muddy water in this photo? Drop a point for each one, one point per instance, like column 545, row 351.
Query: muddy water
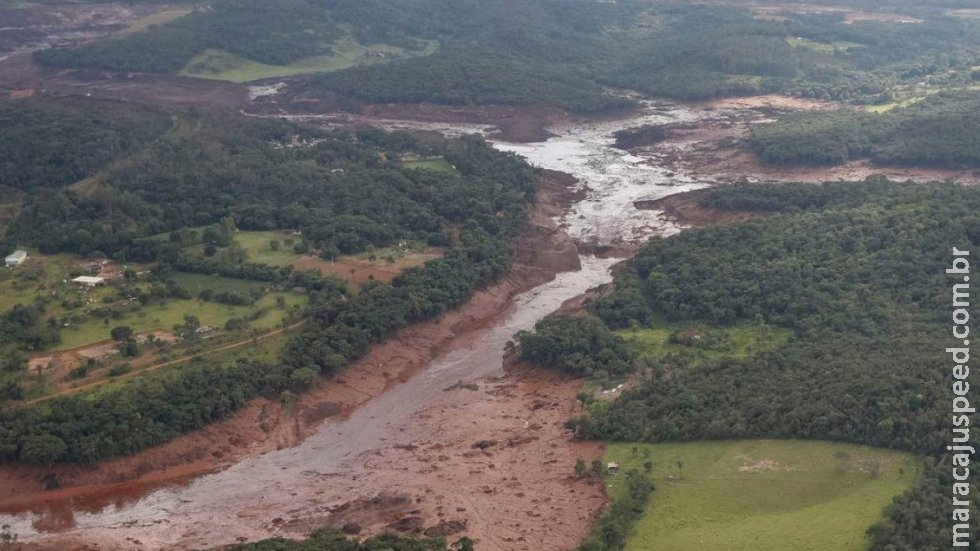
column 245, row 500
column 615, row 178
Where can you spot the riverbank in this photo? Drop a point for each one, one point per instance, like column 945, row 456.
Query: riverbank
column 264, row 425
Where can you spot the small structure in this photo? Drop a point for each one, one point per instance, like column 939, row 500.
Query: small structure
column 89, row 281
column 612, row 468
column 15, row 258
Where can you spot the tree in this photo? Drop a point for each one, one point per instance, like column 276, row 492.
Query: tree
column 43, row 449
column 121, row 333
column 188, row 330
column 275, row 245
column 580, row 467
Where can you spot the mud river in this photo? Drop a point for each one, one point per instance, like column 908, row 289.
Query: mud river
column 408, row 457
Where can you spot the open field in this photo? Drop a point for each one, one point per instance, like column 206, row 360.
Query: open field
column 45, row 277
column 705, row 343
column 965, row 13
column 170, row 313
column 762, row 495
column 159, row 18
column 195, row 283
column 257, row 246
column 439, row 165
column 821, row 47
column 358, row 269
column 221, row 65
column 261, row 349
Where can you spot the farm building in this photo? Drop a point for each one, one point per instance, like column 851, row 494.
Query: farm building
column 15, row 258
column 89, row 281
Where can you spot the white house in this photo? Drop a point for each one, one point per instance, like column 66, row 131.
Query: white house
column 15, row 258
column 89, row 281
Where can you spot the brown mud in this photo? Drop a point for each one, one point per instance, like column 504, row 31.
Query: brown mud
column 686, row 209
column 714, row 148
column 264, row 425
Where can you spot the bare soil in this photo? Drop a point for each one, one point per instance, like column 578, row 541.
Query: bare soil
column 356, row 271
column 714, row 148
column 685, row 209
column 512, row 493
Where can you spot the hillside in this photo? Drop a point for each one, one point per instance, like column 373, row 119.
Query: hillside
column 942, row 131
column 854, row 270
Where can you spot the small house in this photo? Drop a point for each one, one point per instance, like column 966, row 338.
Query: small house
column 89, row 281
column 612, row 468
column 15, row 258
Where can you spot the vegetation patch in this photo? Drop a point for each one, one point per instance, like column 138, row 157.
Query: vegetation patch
column 841, row 268
column 762, row 495
column 941, row 130
column 222, row 65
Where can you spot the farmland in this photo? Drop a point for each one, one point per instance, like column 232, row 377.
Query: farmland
column 223, row 65
column 762, row 495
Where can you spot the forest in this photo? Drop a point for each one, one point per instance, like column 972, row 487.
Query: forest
column 501, row 52
column 327, row 539
column 940, row 131
column 856, row 272
column 472, row 77
column 343, row 192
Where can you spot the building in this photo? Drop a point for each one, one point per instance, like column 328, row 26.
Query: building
column 612, row 468
column 15, row 258
column 89, row 281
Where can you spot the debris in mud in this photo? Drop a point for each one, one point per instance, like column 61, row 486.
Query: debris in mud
column 410, row 523
column 445, row 528
column 351, row 528
column 484, row 444
column 461, row 385
column 647, row 134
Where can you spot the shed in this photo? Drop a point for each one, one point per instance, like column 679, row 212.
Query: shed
column 612, row 468
column 15, row 258
column 89, row 281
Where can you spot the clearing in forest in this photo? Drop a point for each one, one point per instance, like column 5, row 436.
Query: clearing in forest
column 762, row 495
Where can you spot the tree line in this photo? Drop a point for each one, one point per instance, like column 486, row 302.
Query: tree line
column 856, row 270
column 475, row 212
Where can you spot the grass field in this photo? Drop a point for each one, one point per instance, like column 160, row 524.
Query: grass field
column 740, row 341
column 158, row 18
column 221, row 65
column 263, row 350
column 256, row 245
column 821, row 47
column 44, row 276
column 762, row 495
column 439, row 165
column 170, row 313
column 969, row 13
column 195, row 283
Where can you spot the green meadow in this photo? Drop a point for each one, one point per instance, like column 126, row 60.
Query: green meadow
column 170, row 313
column 762, row 495
column 222, row 65
column 438, row 165
column 702, row 343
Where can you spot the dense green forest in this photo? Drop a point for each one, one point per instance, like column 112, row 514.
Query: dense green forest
column 856, row 271
column 942, row 131
column 344, row 192
column 330, row 540
column 54, row 144
column 276, row 32
column 502, row 52
column 470, row 77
